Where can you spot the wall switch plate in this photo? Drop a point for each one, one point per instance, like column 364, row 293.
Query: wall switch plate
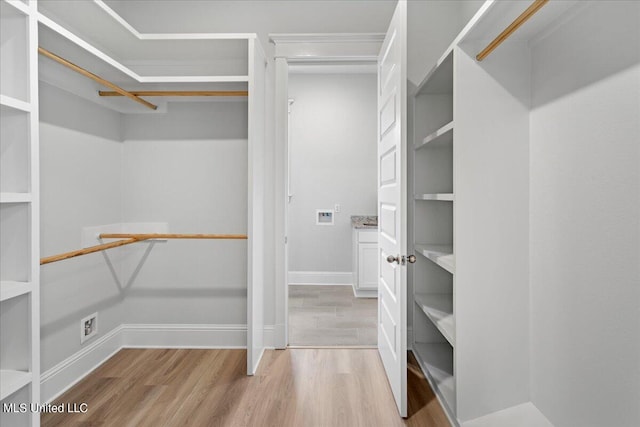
column 337, row 208
column 88, row 327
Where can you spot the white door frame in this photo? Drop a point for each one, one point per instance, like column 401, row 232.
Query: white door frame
column 302, row 48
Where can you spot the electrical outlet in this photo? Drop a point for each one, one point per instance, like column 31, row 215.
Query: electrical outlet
column 337, row 208
column 88, row 327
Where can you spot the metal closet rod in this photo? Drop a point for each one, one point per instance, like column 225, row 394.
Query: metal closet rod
column 524, row 16
column 128, row 238
column 96, row 78
column 179, row 93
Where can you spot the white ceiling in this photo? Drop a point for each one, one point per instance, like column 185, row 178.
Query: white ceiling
column 256, row 16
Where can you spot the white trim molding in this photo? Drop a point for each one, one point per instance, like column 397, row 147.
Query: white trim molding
column 334, row 47
column 320, row 278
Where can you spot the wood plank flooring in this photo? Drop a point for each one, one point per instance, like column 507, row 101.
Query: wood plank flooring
column 331, row 316
column 293, row 387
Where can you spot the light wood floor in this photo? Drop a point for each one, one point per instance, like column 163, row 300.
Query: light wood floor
column 331, row 315
column 294, row 387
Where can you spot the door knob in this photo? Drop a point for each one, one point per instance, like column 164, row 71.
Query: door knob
column 391, row 259
column 411, row 258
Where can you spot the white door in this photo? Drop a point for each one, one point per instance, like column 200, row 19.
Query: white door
column 392, row 183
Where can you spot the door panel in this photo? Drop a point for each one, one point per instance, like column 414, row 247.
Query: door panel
column 392, row 183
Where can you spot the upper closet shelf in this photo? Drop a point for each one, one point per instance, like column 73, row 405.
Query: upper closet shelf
column 500, row 14
column 93, row 37
column 16, row 104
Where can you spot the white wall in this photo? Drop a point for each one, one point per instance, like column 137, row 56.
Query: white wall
column 585, row 219
column 333, row 161
column 187, row 168
column 80, row 153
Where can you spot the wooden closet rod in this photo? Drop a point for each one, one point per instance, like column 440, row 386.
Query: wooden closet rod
column 128, row 238
column 92, row 76
column 179, row 93
column 89, row 250
column 524, row 16
column 170, row 236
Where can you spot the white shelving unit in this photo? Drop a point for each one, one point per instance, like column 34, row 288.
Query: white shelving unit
column 19, row 211
column 434, row 325
column 504, row 150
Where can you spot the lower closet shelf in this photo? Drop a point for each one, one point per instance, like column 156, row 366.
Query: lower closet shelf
column 11, row 289
column 524, row 415
column 440, row 254
column 439, row 309
column 12, row 381
column 436, row 360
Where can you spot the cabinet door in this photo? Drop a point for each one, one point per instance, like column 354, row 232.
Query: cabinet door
column 367, row 266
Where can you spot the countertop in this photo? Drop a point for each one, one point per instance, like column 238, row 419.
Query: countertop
column 364, row 222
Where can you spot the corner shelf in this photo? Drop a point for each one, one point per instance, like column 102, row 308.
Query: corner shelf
column 440, row 254
column 439, row 309
column 436, row 362
column 12, row 381
column 11, row 289
column 442, row 136
column 443, row 197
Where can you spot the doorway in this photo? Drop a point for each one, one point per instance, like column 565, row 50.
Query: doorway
column 334, row 53
column 332, row 194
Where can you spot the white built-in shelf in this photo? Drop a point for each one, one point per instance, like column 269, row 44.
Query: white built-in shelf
column 15, row 197
column 440, row 254
column 439, row 309
column 11, row 289
column 523, row 415
column 442, row 136
column 12, row 381
column 16, row 104
column 436, row 360
column 439, row 80
column 443, row 197
column 18, row 5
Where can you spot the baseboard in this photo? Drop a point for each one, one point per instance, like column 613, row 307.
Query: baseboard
column 65, row 374
column 320, row 278
column 184, row 336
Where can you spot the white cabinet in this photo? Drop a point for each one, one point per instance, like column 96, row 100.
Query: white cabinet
column 365, row 262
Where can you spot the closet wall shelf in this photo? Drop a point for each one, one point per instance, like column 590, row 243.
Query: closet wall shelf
column 439, row 309
column 16, row 104
column 15, row 197
column 12, row 381
column 440, row 254
column 444, row 197
column 442, row 136
column 436, row 361
column 10, row 289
